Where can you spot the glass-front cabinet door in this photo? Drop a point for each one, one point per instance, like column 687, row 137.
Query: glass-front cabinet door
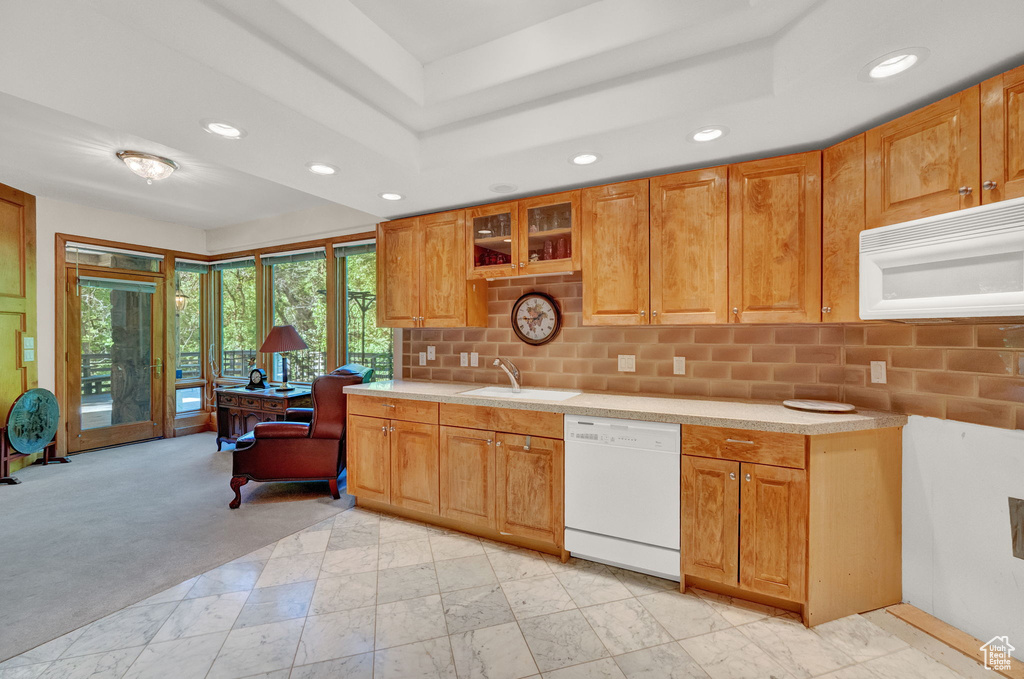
column 548, row 233
column 493, row 231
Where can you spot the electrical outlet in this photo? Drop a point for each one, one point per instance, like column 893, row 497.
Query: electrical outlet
column 627, row 363
column 463, row 359
column 878, row 372
column 474, row 360
column 423, row 358
column 679, row 365
column 431, row 355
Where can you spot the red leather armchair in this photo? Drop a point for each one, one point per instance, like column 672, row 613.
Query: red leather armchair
column 310, row 445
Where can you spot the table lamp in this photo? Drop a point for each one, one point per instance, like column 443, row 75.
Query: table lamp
column 283, row 339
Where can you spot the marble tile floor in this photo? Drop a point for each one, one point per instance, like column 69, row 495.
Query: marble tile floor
column 366, row 596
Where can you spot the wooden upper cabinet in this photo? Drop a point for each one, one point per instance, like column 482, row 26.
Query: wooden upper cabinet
column 615, row 238
column 842, row 220
column 414, row 466
column 773, row 530
column 710, row 519
column 926, row 162
column 369, row 458
column 467, row 476
column 491, row 231
column 549, row 233
column 443, row 272
column 689, row 252
column 1002, row 136
column 399, row 253
column 775, row 239
column 530, row 484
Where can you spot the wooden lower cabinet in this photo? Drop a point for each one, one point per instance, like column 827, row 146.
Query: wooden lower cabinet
column 530, row 487
column 773, row 530
column 414, row 466
column 710, row 516
column 369, row 458
column 467, row 476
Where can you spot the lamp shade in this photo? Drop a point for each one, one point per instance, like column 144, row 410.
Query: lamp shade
column 282, row 338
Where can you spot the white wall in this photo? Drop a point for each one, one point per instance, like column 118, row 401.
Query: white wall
column 317, row 222
column 53, row 216
column 958, row 562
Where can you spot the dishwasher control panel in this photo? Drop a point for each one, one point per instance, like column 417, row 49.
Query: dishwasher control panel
column 654, row 436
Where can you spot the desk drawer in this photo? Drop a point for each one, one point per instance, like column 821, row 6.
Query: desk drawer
column 744, row 445
column 250, row 402
column 488, row 418
column 393, row 408
column 227, row 399
column 270, row 404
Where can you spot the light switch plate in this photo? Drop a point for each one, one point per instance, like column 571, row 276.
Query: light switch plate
column 878, row 372
column 627, row 363
column 431, row 355
column 474, row 360
column 679, row 365
column 28, row 342
column 29, row 355
column 464, row 359
column 423, row 358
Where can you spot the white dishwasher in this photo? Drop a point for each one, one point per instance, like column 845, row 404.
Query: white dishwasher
column 622, row 493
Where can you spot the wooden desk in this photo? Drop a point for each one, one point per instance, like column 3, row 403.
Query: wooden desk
column 239, row 409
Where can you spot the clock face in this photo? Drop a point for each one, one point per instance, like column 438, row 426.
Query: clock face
column 536, row 318
column 256, row 377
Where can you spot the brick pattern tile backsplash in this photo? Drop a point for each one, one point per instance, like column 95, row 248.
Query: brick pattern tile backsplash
column 970, row 373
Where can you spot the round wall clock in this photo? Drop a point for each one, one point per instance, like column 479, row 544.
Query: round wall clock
column 536, row 318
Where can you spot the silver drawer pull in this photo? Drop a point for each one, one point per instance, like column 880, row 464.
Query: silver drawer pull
column 388, row 405
column 748, row 477
column 489, row 441
column 749, row 443
column 527, row 446
column 732, row 476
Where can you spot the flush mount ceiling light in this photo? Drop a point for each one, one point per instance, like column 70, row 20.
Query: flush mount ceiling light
column 223, row 129
column 146, row 165
column 893, row 63
column 587, row 158
column 322, row 169
column 708, row 133
column 391, row 196
column 504, row 188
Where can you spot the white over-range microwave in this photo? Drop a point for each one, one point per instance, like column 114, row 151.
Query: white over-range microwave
column 963, row 264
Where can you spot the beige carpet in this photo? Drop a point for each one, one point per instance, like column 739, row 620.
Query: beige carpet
column 82, row 540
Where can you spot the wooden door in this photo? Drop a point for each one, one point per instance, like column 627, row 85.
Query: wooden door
column 1002, row 136
column 529, row 473
column 18, row 346
column 414, row 463
column 492, row 247
column 467, row 476
column 399, row 256
column 615, row 238
column 549, row 233
column 918, row 163
column 773, row 531
column 710, row 519
column 368, row 447
column 443, row 273
column 690, row 247
column 775, row 239
column 842, row 220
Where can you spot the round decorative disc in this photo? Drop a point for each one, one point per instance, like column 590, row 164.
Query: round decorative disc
column 536, row 318
column 32, row 422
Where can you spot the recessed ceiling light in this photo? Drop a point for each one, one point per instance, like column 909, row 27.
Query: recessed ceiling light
column 708, row 133
column 321, row 168
column 587, row 158
column 504, row 188
column 391, row 196
column 893, row 63
column 223, row 129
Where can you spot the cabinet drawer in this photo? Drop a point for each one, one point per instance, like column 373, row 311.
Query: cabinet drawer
column 744, row 445
column 269, row 404
column 227, row 399
column 527, row 422
column 393, row 408
column 250, row 402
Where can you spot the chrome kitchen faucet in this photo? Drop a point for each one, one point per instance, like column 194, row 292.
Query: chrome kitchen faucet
column 513, row 374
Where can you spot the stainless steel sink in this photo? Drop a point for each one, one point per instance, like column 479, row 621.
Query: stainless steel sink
column 527, row 394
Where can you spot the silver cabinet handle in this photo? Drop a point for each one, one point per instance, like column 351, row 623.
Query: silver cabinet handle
column 748, row 477
column 496, row 444
column 388, row 405
column 642, row 313
column 513, row 265
column 653, row 314
column 385, row 430
column 527, row 446
column 732, row 476
column 522, row 265
column 989, row 185
column 489, row 441
column 392, row 428
column 749, row 443
column 826, row 309
column 736, row 311
column 965, row 190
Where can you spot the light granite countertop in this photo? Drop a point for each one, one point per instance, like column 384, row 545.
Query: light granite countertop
column 756, row 415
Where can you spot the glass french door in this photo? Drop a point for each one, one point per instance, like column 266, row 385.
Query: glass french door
column 115, row 368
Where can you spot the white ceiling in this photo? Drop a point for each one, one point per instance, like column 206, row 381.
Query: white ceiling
column 441, row 99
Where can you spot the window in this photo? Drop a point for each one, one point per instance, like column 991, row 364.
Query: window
column 300, row 300
column 365, row 343
column 188, row 334
column 238, row 317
